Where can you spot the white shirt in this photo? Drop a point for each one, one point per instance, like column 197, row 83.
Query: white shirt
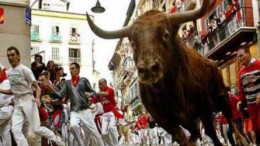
column 21, row 79
column 4, row 98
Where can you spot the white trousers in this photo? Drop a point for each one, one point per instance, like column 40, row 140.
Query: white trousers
column 26, row 111
column 5, row 125
column 86, row 119
column 108, row 129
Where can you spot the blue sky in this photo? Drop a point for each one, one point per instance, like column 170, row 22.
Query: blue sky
column 112, row 19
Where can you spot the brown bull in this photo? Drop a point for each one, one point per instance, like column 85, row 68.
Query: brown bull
column 178, row 86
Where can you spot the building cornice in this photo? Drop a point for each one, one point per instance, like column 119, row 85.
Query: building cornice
column 47, row 13
column 15, row 3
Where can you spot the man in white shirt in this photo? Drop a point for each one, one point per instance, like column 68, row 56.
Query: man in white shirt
column 25, row 105
column 6, row 110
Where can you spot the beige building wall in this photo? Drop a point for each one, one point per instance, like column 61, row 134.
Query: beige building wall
column 15, row 31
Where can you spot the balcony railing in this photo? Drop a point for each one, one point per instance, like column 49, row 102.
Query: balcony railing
column 74, row 40
column 219, row 35
column 55, row 38
column 135, row 101
column 74, row 59
column 35, row 36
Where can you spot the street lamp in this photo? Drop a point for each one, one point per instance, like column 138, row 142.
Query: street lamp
column 98, row 8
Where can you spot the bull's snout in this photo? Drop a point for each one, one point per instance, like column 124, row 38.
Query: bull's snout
column 149, row 73
column 153, row 68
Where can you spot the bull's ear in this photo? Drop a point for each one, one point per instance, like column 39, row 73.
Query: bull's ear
column 107, row 34
column 182, row 17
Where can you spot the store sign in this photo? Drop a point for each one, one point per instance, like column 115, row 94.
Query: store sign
column 28, row 16
column 2, row 15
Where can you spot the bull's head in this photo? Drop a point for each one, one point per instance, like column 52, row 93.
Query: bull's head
column 153, row 37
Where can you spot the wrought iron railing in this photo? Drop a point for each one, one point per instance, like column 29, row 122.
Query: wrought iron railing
column 35, row 36
column 74, row 59
column 218, row 35
column 55, row 38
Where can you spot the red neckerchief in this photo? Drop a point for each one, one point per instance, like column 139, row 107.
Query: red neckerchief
column 75, row 80
column 3, row 75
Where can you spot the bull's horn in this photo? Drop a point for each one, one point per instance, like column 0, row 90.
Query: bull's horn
column 191, row 15
column 108, row 34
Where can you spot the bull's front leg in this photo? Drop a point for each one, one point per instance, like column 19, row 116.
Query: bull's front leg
column 179, row 136
column 240, row 139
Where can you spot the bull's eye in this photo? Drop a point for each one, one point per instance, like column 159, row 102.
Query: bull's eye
column 166, row 36
column 133, row 45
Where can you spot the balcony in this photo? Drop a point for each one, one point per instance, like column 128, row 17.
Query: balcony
column 55, row 38
column 74, row 59
column 227, row 38
column 74, row 39
column 35, row 37
column 114, row 62
column 135, row 103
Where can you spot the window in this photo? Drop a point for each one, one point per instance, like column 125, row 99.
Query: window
column 35, row 33
column 55, row 34
column 74, row 35
column 55, row 30
column 74, row 31
column 35, row 50
column 35, row 29
column 46, row 6
column 55, row 53
column 74, row 55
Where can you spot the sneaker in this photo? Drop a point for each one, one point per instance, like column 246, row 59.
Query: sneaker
column 59, row 141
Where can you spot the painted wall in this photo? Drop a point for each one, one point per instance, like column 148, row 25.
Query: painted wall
column 15, row 31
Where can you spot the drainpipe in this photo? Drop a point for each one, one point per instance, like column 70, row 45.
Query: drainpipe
column 258, row 39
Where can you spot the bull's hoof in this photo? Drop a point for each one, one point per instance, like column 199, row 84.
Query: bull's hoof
column 241, row 141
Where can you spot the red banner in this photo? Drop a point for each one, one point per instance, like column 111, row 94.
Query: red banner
column 1, row 15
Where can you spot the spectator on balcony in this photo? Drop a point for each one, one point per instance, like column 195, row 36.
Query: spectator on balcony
column 222, row 26
column 203, row 36
column 217, row 21
column 37, row 66
column 74, row 36
column 184, row 34
column 204, row 41
column 229, row 18
column 213, row 24
column 191, row 29
column 197, row 42
column 222, row 17
column 218, row 26
column 238, row 13
column 173, row 8
column 210, row 36
column 179, row 5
